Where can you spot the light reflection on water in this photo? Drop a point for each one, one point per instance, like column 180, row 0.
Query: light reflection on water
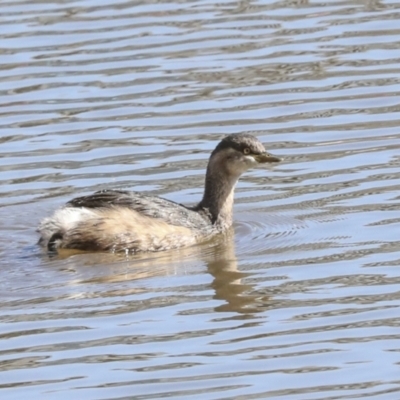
column 302, row 300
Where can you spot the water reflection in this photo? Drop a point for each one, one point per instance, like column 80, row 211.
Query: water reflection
column 218, row 256
column 228, row 280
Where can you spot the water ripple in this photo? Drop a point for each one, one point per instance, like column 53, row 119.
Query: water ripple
column 301, row 299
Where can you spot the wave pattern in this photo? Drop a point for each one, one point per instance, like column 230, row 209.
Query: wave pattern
column 302, row 300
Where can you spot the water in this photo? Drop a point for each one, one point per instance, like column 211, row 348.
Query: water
column 302, row 301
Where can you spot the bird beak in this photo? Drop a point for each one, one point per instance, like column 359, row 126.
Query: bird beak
column 266, row 157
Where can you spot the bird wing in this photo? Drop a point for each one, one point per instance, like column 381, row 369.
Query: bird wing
column 104, row 199
column 154, row 207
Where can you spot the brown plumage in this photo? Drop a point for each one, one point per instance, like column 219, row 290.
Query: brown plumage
column 112, row 220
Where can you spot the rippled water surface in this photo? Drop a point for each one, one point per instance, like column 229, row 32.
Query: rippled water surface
column 302, row 300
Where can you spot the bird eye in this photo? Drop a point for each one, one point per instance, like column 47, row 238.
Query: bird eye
column 246, row 151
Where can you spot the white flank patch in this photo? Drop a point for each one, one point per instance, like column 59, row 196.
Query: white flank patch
column 64, row 219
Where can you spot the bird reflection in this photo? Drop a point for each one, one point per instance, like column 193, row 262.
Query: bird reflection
column 228, row 281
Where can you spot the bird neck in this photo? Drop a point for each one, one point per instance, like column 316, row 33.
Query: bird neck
column 218, row 196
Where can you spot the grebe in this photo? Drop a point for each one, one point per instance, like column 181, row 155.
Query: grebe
column 114, row 220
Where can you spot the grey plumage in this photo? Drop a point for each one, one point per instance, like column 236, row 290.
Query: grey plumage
column 112, row 220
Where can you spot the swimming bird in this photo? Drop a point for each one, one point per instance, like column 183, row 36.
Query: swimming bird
column 115, row 220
